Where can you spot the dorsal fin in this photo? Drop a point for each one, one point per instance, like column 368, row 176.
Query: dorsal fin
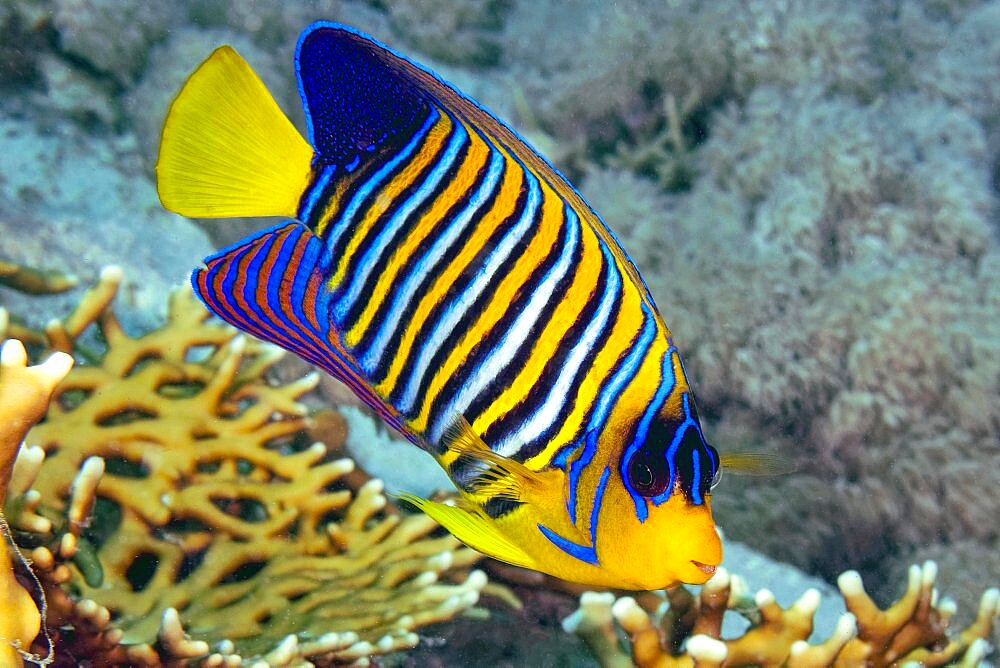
column 353, row 103
column 359, row 93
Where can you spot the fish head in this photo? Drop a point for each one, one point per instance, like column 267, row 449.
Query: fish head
column 664, row 532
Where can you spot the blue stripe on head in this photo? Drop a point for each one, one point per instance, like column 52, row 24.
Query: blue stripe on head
column 602, row 409
column 696, row 478
column 671, row 455
column 576, row 468
column 587, row 553
column 666, row 386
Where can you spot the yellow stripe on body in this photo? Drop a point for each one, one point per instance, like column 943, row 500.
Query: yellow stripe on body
column 428, row 151
column 625, row 329
column 544, row 237
column 504, row 205
column 457, row 187
column 565, row 315
column 332, row 205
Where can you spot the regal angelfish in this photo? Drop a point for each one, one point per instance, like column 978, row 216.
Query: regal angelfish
column 465, row 291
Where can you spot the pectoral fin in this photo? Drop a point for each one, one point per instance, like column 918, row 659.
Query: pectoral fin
column 474, row 529
column 482, row 473
column 757, row 463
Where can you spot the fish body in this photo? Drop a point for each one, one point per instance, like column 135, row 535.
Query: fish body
column 455, row 281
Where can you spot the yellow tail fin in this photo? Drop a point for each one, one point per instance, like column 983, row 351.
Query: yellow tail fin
column 227, row 149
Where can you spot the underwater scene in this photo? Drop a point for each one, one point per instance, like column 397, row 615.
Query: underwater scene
column 500, row 333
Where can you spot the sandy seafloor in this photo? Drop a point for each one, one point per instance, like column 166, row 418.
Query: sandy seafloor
column 809, row 189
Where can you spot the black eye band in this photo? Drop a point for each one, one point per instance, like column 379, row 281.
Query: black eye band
column 648, row 473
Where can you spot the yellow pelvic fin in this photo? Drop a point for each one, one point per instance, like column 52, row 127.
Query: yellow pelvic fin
column 227, row 148
column 496, row 475
column 472, row 528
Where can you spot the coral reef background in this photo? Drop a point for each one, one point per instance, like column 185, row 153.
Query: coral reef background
column 809, row 188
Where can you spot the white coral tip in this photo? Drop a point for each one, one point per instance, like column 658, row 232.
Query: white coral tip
column 426, row 578
column 628, row 613
column 238, row 344
column 596, row 605
column 477, row 579
column 345, row 465
column 441, row 561
column 763, row 597
column 112, row 273
column 798, row 648
column 13, row 354
column 847, row 627
column 976, row 652
column 850, row 584
column 373, row 486
column 989, row 604
column 57, row 366
column 947, row 607
column 808, row 602
column 929, row 574
column 704, row 648
column 717, row 582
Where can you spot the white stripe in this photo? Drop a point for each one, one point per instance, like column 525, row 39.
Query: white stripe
column 459, row 307
column 388, row 325
column 346, row 218
column 558, row 395
column 365, row 265
column 501, row 355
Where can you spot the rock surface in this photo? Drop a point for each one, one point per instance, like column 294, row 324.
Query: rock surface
column 77, row 203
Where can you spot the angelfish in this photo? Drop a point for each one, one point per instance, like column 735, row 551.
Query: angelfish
column 451, row 277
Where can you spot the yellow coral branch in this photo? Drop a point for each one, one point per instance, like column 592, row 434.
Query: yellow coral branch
column 911, row 632
column 34, row 281
column 220, row 534
column 24, row 395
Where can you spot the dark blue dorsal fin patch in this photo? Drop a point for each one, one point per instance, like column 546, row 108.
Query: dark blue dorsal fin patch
column 354, row 103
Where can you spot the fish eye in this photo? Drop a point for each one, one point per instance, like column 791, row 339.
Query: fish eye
column 648, row 474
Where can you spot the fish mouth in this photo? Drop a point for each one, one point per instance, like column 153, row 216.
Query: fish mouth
column 707, row 569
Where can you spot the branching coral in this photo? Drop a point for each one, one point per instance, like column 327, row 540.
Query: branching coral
column 34, row 281
column 218, row 533
column 679, row 629
column 24, row 395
